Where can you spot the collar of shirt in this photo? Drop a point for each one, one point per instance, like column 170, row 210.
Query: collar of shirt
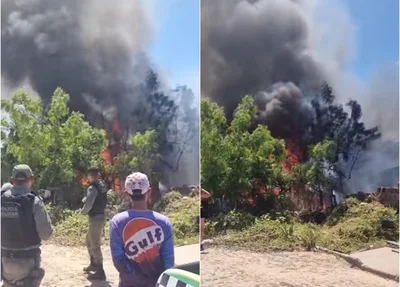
column 19, row 190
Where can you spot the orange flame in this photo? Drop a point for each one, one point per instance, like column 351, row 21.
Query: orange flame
column 107, row 156
column 117, row 186
column 84, row 181
column 114, row 133
column 294, row 157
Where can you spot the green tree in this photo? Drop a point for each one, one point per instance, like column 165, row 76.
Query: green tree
column 317, row 175
column 213, row 159
column 142, row 156
column 158, row 113
column 235, row 156
column 57, row 144
column 345, row 129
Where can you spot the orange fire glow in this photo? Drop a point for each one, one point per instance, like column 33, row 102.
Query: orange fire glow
column 84, row 181
column 114, row 133
column 294, row 157
column 117, row 186
column 107, row 156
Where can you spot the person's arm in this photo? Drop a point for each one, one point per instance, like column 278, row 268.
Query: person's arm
column 42, row 219
column 205, row 194
column 167, row 251
column 90, row 198
column 121, row 262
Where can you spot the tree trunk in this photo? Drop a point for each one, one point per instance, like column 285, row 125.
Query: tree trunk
column 321, row 197
column 155, row 192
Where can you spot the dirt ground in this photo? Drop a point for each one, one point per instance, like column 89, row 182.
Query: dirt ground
column 64, row 265
column 222, row 267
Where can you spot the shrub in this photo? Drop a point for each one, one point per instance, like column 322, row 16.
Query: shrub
column 341, row 211
column 72, row 230
column 267, row 233
column 308, row 235
column 232, row 221
column 71, row 226
column 58, row 213
column 352, row 226
column 183, row 211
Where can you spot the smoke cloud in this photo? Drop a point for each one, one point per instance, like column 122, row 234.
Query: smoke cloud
column 249, row 46
column 281, row 108
column 281, row 51
column 92, row 47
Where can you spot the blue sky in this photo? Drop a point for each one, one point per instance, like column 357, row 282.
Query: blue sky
column 176, row 45
column 377, row 36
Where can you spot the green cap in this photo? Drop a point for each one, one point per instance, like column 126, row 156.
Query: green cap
column 22, row 172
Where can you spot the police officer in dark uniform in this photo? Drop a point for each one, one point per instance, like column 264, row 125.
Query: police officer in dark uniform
column 95, row 207
column 24, row 224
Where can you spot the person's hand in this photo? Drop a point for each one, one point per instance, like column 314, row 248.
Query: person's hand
column 205, row 193
column 135, row 279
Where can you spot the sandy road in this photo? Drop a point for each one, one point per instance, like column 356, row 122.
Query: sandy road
column 222, row 267
column 64, row 265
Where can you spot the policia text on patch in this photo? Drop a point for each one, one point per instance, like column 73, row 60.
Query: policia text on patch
column 9, row 212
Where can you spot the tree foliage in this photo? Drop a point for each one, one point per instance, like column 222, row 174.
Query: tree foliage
column 346, row 129
column 142, row 156
column 56, row 143
column 233, row 156
column 170, row 114
column 318, row 173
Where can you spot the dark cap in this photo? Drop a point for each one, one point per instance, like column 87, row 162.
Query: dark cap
column 93, row 170
column 22, row 172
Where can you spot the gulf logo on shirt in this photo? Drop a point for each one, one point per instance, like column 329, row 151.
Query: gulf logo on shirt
column 142, row 238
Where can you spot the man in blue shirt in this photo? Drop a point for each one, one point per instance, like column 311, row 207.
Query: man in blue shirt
column 141, row 240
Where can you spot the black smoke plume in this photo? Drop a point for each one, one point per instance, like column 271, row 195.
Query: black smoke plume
column 247, row 47
column 93, row 48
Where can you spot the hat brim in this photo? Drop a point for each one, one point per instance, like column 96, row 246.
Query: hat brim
column 136, row 191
